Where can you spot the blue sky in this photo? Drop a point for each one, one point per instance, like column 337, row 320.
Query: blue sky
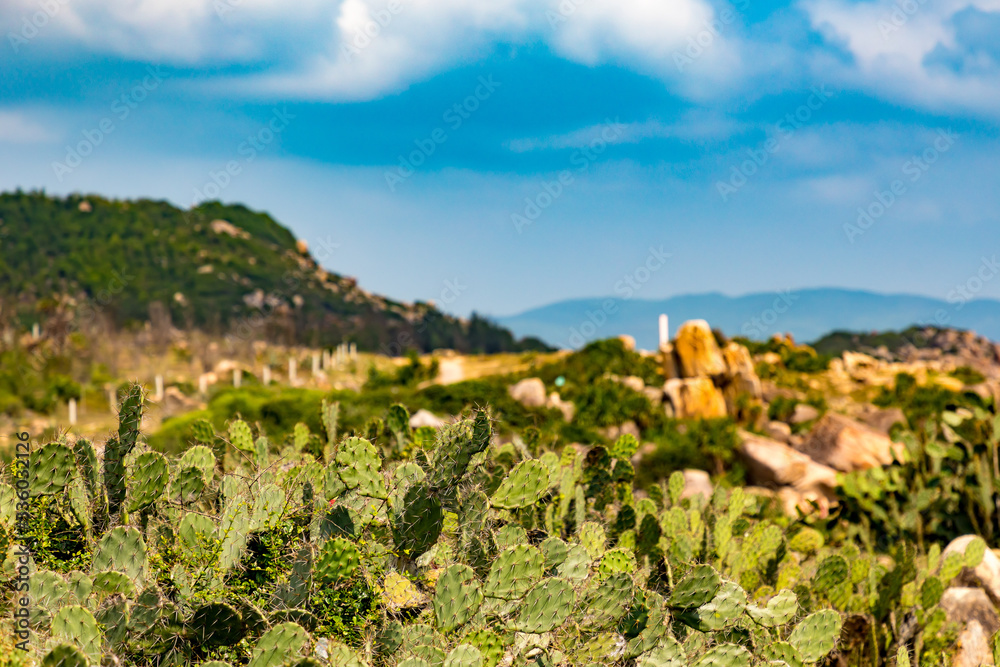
column 529, row 151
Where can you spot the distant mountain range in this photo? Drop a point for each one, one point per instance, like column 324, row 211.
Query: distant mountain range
column 219, row 268
column 807, row 314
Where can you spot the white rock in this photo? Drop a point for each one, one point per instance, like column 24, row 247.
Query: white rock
column 426, row 418
column 986, row 575
column 529, row 392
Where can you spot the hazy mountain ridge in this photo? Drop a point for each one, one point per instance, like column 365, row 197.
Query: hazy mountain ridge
column 807, row 314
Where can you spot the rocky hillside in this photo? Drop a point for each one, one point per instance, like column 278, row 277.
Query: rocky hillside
column 223, row 269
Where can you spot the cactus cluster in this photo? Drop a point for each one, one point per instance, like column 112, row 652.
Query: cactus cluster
column 455, row 551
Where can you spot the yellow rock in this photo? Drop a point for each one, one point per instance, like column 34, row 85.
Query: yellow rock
column 695, row 398
column 697, row 353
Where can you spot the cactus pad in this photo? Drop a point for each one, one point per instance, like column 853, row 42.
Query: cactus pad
column 546, row 606
column 147, row 479
column 65, row 655
column 188, row 485
column 514, row 571
column 464, row 655
column 338, row 559
column 418, row 523
column 360, row 468
column 523, row 487
column 216, row 624
column 279, row 645
column 51, row 468
column 780, row 610
column 76, row 625
column 815, row 636
column 725, row 655
column 200, row 457
column 668, row 654
column 456, row 597
column 121, row 550
column 697, row 588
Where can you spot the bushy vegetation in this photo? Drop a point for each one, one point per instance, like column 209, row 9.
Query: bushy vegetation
column 123, row 262
column 421, row 547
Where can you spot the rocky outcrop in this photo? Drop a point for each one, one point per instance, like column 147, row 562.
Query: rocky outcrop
column 847, row 445
column 880, row 419
column 697, row 353
column 779, row 431
column 775, row 464
column 529, row 392
column 695, row 398
column 804, row 413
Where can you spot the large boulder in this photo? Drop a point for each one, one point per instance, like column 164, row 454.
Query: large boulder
column 775, row 464
column 426, row 418
column 697, row 352
column 847, row 445
column 962, row 605
column 697, row 482
column 986, row 575
column 529, row 392
column 695, row 398
column 779, row 431
column 974, row 648
column 880, row 419
column 740, row 371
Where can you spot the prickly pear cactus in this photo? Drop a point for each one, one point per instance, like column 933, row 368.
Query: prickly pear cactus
column 279, row 645
column 525, row 486
column 338, row 559
column 514, row 571
column 457, row 597
column 65, row 655
column 546, row 606
column 52, row 466
column 816, row 635
column 121, row 550
column 76, row 625
column 147, row 480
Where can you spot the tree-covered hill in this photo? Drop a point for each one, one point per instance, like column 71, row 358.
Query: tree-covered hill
column 220, row 268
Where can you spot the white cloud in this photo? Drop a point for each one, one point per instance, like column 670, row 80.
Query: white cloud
column 16, row 128
column 890, row 47
column 357, row 49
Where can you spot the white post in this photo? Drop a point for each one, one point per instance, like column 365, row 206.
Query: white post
column 203, row 384
column 237, row 377
column 327, row 360
column 159, row 389
column 36, row 331
column 72, row 412
column 354, row 350
column 664, row 331
column 291, row 371
column 315, row 364
column 267, row 375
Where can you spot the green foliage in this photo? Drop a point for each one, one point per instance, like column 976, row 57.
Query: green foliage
column 472, row 550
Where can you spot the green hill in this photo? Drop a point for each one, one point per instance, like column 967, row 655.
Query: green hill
column 222, row 269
